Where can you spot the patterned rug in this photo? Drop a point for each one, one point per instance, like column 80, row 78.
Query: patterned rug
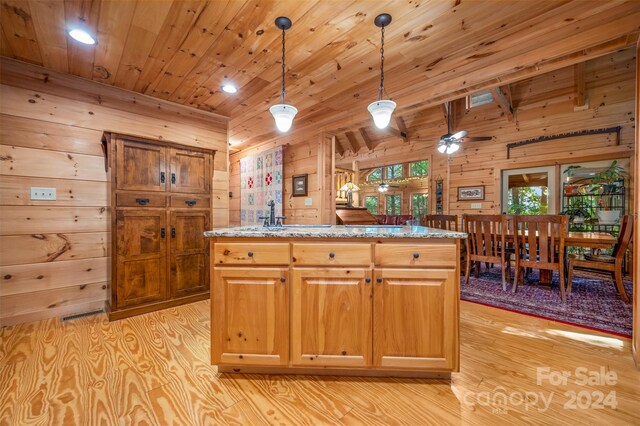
column 593, row 303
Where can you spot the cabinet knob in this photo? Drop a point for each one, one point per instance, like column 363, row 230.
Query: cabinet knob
column 332, row 255
column 367, row 280
column 282, row 279
column 173, row 178
column 379, row 280
column 142, row 201
column 416, row 255
column 250, row 254
column 190, row 203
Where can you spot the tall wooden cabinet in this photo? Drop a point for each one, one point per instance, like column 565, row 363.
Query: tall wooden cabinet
column 160, row 202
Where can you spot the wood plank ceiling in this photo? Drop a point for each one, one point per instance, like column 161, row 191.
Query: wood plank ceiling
column 184, row 50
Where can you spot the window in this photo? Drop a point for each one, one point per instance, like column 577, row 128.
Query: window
column 419, row 168
column 394, row 172
column 419, row 204
column 371, row 203
column 480, row 98
column 529, row 191
column 376, row 174
column 394, row 205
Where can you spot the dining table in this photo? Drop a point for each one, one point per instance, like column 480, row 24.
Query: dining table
column 593, row 240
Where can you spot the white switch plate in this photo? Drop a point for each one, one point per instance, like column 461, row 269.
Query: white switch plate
column 476, row 205
column 308, row 201
column 45, row 194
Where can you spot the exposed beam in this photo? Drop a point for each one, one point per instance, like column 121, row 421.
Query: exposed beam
column 402, row 126
column 581, row 100
column 504, row 103
column 445, row 114
column 339, row 148
column 396, row 132
column 365, row 137
column 353, row 142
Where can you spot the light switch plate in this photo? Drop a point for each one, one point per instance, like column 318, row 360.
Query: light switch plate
column 43, row 194
column 476, row 205
column 308, row 201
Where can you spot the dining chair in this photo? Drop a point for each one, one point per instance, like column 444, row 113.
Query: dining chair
column 540, row 245
column 606, row 264
column 485, row 242
column 440, row 221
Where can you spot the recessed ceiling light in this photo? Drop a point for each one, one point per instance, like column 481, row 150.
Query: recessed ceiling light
column 82, row 36
column 229, row 88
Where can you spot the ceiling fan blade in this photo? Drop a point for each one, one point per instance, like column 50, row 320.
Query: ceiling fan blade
column 478, row 138
column 459, row 135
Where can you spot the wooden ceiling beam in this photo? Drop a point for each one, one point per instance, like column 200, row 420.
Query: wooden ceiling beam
column 339, row 148
column 581, row 99
column 353, row 142
column 395, row 132
column 503, row 102
column 365, row 137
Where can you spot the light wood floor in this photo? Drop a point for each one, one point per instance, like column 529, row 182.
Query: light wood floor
column 154, row 370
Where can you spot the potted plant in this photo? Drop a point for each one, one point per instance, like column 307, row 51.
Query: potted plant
column 573, row 188
column 578, row 211
column 607, row 182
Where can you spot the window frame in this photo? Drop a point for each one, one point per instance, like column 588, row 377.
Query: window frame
column 386, row 203
column 411, row 210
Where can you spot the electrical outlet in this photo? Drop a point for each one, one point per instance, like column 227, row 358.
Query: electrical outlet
column 476, row 205
column 43, row 194
column 308, row 201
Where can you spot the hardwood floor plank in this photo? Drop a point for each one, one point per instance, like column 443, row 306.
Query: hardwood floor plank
column 154, row 370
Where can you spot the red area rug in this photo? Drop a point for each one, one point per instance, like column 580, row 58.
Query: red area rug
column 593, row 303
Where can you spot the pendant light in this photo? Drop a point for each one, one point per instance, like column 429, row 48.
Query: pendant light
column 382, row 109
column 283, row 113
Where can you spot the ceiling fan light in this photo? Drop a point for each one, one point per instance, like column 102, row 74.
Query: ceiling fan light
column 283, row 114
column 453, row 147
column 381, row 112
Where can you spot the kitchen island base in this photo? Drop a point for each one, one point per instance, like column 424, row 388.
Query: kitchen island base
column 337, row 301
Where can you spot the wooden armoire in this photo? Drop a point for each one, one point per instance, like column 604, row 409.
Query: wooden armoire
column 160, row 203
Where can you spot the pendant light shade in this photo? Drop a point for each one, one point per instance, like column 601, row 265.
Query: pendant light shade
column 283, row 113
column 381, row 112
column 382, row 109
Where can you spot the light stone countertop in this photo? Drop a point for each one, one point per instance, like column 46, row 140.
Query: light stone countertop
column 335, row 231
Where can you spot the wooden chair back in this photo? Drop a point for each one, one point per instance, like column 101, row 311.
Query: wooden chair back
column 624, row 238
column 486, row 237
column 540, row 240
column 440, row 221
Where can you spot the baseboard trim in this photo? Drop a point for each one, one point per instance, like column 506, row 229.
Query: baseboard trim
column 351, row 372
column 115, row 315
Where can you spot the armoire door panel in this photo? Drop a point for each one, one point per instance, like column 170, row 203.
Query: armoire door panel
column 189, row 255
column 189, row 171
column 141, row 281
column 141, row 232
column 140, row 166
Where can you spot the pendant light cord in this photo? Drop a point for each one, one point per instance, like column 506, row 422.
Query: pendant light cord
column 283, row 65
column 381, row 66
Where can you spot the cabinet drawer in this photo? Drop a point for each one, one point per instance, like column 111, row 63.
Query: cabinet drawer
column 416, row 255
column 185, row 201
column 332, row 254
column 251, row 253
column 141, row 200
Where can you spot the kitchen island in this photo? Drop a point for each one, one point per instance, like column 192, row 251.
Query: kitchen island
column 344, row 300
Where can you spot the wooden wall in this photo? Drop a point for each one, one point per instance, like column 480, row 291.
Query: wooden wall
column 307, row 153
column 544, row 105
column 53, row 253
column 636, row 235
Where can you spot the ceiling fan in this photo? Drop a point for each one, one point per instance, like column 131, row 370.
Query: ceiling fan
column 384, row 187
column 450, row 142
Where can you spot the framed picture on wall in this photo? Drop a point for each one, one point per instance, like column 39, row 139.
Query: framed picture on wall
column 299, row 185
column 471, row 193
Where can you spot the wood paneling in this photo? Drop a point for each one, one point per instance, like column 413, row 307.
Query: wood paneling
column 51, row 127
column 636, row 257
column 184, row 51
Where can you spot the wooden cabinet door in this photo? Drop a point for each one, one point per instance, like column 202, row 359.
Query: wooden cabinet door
column 190, row 171
column 189, row 253
column 415, row 319
column 141, row 257
column 250, row 316
column 331, row 317
column 140, row 166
